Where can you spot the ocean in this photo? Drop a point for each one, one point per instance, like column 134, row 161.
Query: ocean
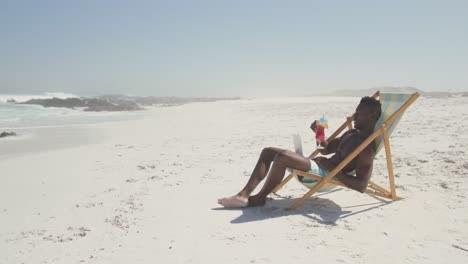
column 35, row 116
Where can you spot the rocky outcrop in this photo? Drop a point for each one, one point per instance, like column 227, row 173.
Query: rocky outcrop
column 89, row 104
column 164, row 101
column 120, row 102
column 98, row 105
column 58, row 102
column 7, row 134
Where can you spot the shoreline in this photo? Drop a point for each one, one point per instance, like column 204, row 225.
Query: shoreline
column 42, row 139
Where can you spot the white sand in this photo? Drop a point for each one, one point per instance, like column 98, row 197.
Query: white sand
column 146, row 191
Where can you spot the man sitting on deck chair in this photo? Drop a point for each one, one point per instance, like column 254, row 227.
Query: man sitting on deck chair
column 366, row 116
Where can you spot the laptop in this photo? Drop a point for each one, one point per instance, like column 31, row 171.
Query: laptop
column 297, row 144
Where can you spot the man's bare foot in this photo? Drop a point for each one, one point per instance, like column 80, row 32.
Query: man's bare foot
column 235, row 201
column 257, row 200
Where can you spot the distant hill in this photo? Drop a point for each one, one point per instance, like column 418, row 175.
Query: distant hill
column 389, row 89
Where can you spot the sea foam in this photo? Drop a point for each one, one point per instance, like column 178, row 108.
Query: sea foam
column 33, row 116
column 25, row 97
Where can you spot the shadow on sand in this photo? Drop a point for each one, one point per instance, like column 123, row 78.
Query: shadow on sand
column 322, row 210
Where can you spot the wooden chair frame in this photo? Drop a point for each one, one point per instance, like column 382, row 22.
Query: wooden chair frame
column 373, row 188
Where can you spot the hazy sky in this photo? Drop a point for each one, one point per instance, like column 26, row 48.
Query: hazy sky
column 226, row 48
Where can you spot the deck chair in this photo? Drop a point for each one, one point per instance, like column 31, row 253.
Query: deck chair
column 393, row 107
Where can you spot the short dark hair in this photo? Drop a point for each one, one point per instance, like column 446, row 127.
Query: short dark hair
column 373, row 104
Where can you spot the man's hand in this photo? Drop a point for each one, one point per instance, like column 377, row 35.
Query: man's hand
column 313, row 126
column 324, row 143
column 324, row 163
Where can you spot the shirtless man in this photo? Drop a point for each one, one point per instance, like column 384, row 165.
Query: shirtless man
column 275, row 161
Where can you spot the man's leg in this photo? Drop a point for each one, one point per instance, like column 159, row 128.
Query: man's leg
column 259, row 172
column 285, row 159
column 281, row 159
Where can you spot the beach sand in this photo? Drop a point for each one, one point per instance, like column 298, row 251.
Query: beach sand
column 146, row 190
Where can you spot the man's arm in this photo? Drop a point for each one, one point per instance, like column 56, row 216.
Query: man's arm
column 329, row 147
column 364, row 166
column 332, row 146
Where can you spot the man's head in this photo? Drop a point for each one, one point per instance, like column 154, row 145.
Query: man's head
column 367, row 113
